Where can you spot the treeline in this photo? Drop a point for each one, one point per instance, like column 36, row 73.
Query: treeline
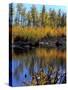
column 34, row 18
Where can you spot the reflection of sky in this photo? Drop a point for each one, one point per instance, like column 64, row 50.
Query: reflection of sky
column 19, row 66
column 21, row 75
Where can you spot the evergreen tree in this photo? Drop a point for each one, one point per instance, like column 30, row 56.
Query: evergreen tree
column 33, row 13
column 11, row 14
column 29, row 19
column 52, row 18
column 63, row 20
column 43, row 16
column 59, row 18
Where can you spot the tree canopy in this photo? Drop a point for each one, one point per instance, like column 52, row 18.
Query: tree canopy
column 32, row 18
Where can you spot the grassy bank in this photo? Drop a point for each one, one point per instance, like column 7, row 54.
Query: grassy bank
column 35, row 34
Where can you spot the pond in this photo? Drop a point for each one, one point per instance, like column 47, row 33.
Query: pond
column 38, row 66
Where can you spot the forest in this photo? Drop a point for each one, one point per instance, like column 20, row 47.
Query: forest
column 33, row 26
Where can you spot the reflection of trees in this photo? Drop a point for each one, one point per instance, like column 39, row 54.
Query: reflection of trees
column 31, row 68
column 40, row 58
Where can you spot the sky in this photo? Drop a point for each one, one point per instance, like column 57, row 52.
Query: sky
column 39, row 7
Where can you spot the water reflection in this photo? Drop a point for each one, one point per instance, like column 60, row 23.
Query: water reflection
column 39, row 66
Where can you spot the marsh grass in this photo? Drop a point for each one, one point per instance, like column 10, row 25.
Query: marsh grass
column 37, row 33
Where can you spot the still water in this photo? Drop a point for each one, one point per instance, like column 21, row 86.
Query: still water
column 27, row 64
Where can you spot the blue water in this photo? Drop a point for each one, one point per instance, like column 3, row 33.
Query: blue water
column 25, row 65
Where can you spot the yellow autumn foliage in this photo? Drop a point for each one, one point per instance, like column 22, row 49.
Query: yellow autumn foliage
column 36, row 33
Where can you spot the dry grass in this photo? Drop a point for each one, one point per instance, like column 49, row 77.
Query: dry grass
column 37, row 33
